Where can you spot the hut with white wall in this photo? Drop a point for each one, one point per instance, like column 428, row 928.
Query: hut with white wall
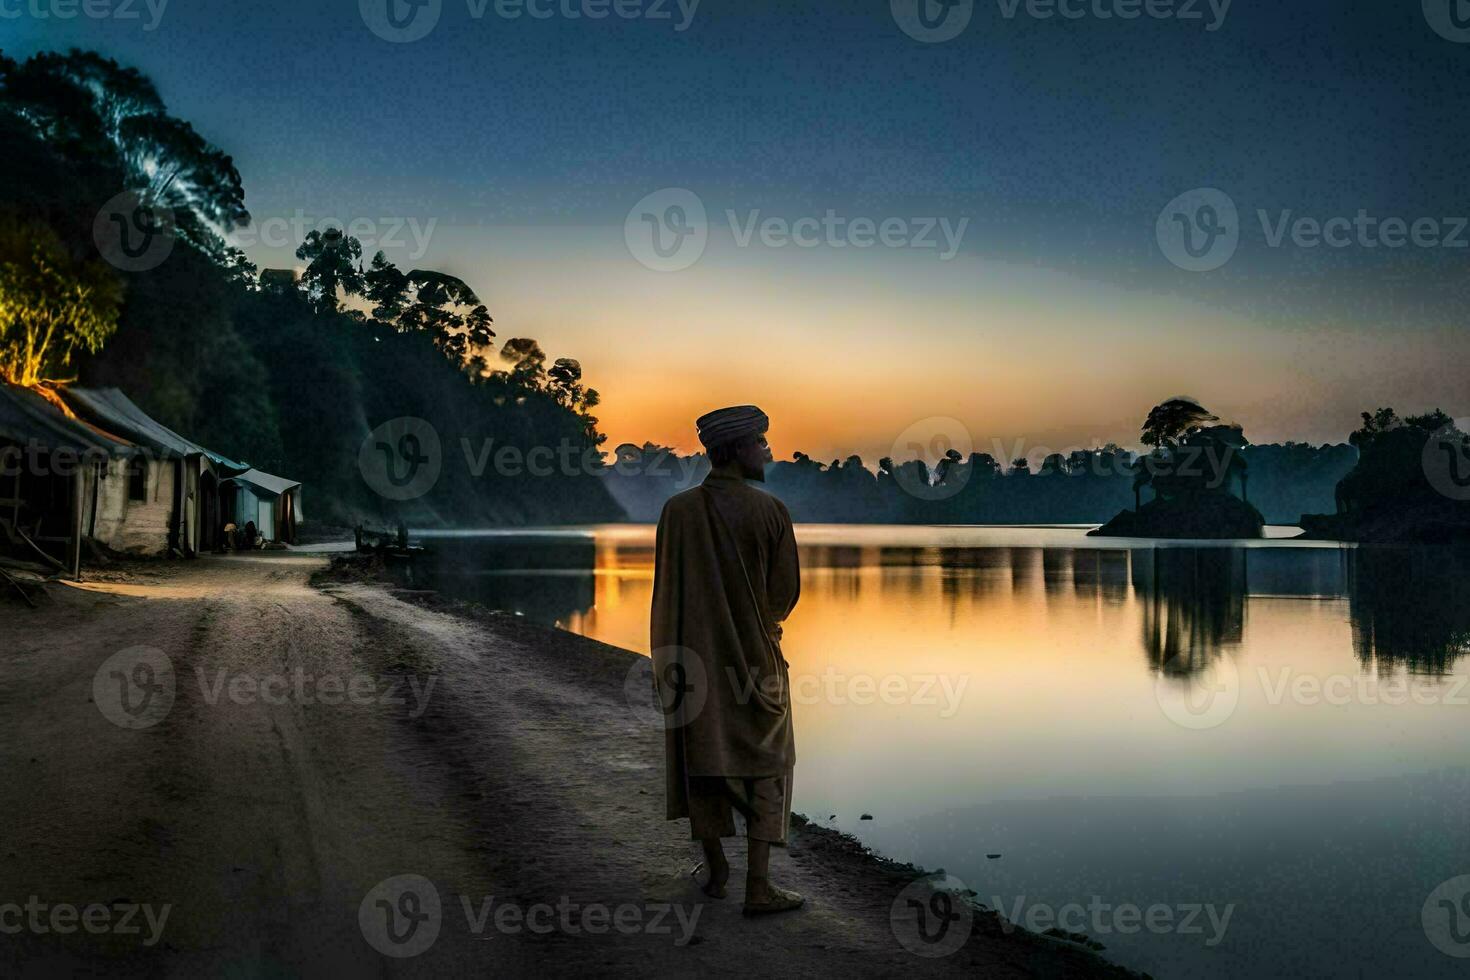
column 173, row 490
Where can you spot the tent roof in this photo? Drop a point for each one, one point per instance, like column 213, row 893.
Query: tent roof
column 273, row 485
column 111, row 408
column 26, row 417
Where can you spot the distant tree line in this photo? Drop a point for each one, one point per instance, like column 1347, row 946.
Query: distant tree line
column 1083, row 487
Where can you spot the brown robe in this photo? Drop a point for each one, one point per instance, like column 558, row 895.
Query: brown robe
column 726, row 620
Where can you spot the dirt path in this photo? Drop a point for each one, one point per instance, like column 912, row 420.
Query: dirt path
column 497, row 763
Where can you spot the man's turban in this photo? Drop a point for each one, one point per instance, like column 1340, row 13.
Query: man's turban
column 731, row 425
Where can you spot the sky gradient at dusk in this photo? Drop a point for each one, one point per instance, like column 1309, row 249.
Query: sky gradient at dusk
column 510, row 152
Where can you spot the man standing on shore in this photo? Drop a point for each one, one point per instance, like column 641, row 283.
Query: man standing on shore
column 725, row 577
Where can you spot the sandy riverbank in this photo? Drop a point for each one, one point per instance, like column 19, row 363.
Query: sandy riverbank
column 497, row 761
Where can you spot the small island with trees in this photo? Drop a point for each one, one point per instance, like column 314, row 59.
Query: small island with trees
column 1192, row 471
column 1411, row 484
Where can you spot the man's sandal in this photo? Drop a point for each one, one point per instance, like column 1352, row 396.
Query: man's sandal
column 781, row 900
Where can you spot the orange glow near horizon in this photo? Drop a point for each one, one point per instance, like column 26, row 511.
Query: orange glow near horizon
column 846, row 351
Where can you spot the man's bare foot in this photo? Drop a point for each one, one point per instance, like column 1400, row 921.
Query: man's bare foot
column 717, row 874
column 762, row 897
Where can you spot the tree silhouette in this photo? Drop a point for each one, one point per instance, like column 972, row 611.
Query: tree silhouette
column 441, row 305
column 526, row 359
column 386, row 287
column 1390, row 468
column 1171, row 420
column 332, row 268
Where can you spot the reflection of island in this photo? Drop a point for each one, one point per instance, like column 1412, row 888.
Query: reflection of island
column 1410, row 607
column 1193, row 604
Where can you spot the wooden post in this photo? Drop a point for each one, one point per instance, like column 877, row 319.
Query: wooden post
column 79, row 496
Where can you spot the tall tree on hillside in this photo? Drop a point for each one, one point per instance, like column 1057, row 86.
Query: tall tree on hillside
column 564, row 382
column 386, row 287
column 331, row 268
column 526, row 359
column 90, row 108
column 441, row 305
column 50, row 304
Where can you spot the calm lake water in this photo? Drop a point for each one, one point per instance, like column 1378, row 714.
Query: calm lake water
column 1276, row 731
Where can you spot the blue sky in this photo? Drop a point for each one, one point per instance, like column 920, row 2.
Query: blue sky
column 516, row 148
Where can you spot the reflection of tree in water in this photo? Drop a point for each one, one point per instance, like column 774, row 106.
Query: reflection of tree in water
column 1410, row 607
column 1100, row 574
column 838, row 568
column 1193, row 605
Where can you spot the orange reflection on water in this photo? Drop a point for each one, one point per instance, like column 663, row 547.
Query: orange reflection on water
column 979, row 664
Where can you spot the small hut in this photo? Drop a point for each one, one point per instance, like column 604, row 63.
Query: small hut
column 272, row 503
column 174, row 488
column 51, row 467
